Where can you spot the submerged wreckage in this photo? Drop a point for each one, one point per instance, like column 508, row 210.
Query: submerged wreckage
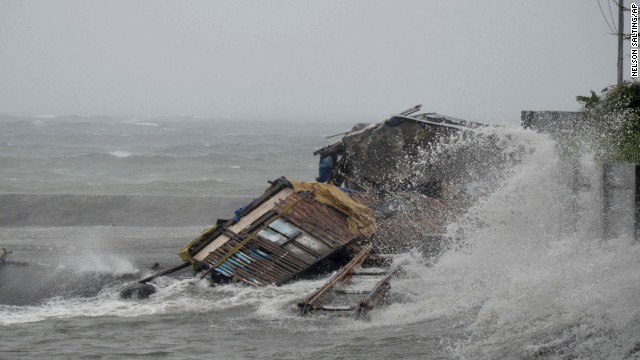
column 382, row 188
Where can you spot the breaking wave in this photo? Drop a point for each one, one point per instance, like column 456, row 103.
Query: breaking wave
column 120, row 153
column 528, row 281
column 174, row 296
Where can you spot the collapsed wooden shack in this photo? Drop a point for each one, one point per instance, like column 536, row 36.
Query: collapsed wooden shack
column 298, row 228
column 292, row 229
column 402, row 153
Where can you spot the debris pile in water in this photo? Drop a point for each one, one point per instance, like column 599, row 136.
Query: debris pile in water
column 384, row 187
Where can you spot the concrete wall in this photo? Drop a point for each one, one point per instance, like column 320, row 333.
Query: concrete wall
column 619, row 198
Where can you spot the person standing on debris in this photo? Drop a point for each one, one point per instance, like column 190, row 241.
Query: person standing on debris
column 4, row 254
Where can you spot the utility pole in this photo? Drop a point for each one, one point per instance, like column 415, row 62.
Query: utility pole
column 620, row 32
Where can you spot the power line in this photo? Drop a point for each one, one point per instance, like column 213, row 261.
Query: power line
column 605, row 17
column 613, row 23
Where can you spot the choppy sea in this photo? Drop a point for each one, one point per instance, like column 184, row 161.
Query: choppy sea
column 521, row 287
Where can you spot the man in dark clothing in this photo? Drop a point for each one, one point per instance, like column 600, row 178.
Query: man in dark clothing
column 4, row 255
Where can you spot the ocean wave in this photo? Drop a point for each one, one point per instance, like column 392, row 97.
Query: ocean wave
column 173, row 296
column 117, row 153
column 144, row 123
column 521, row 285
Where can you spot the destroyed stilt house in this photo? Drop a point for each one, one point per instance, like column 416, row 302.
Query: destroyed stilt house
column 291, row 229
column 425, row 169
column 402, row 178
column 393, row 155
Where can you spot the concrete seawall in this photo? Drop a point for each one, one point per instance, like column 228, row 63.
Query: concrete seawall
column 118, row 210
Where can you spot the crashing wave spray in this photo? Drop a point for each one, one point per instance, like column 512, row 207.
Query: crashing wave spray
column 533, row 280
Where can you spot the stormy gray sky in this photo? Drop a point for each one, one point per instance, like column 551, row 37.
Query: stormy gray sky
column 479, row 60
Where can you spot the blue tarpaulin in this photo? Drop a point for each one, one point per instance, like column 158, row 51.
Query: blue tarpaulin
column 325, row 168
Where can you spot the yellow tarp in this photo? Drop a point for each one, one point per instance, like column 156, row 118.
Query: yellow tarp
column 360, row 218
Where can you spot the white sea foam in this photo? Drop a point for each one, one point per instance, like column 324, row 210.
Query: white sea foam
column 144, row 123
column 173, row 297
column 120, row 153
column 108, row 303
column 104, row 263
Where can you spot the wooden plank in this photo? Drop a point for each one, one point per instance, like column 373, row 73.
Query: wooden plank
column 374, row 296
column 311, row 302
column 351, row 292
column 335, row 308
column 360, row 273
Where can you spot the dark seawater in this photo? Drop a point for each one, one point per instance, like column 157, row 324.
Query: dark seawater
column 65, row 304
column 521, row 287
column 183, row 156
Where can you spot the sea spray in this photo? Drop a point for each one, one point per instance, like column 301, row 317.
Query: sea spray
column 524, row 284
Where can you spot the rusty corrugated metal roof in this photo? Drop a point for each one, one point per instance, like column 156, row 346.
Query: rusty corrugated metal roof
column 320, row 221
column 258, row 261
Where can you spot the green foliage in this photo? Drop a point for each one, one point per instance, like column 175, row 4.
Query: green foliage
column 612, row 122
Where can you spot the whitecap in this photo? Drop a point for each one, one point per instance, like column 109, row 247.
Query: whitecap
column 120, row 153
column 145, row 123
